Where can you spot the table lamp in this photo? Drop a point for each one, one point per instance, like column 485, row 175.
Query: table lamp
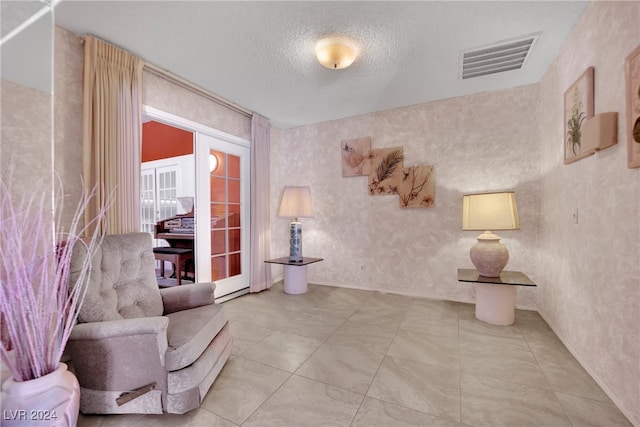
column 296, row 203
column 490, row 211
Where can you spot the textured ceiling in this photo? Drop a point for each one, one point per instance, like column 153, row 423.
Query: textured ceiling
column 260, row 55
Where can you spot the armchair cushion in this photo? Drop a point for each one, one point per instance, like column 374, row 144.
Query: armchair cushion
column 122, row 283
column 190, row 332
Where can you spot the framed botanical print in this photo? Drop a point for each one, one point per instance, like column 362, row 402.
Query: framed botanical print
column 632, row 72
column 578, row 107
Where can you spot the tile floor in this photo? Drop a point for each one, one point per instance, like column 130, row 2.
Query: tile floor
column 343, row 357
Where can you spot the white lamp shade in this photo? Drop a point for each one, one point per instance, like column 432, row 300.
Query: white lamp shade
column 296, row 203
column 186, row 203
column 490, row 211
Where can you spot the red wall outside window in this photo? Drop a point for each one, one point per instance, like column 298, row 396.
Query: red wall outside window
column 160, row 141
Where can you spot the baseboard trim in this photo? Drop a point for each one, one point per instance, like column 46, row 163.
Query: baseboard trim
column 232, row 295
column 407, row 294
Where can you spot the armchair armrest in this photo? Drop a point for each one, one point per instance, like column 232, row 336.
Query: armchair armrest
column 185, row 297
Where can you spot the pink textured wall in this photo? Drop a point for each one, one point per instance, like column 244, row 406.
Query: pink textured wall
column 589, row 278
column 68, row 57
column 170, row 98
column 25, row 132
column 476, row 143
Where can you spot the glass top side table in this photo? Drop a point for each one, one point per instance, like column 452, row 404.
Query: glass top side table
column 495, row 296
column 295, row 273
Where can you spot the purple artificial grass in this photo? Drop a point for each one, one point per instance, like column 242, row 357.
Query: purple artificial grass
column 38, row 304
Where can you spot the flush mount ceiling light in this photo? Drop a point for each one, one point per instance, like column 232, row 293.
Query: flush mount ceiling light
column 336, row 52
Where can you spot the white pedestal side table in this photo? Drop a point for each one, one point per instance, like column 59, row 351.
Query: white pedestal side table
column 495, row 296
column 295, row 273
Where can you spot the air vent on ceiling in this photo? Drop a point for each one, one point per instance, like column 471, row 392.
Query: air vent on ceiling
column 504, row 56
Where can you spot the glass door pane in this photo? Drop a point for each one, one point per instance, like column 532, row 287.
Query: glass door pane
column 158, row 196
column 167, row 194
column 148, row 200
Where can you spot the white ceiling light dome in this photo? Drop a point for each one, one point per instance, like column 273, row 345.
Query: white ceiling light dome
column 336, row 52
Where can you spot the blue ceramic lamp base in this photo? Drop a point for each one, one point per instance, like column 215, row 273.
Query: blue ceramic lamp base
column 295, row 241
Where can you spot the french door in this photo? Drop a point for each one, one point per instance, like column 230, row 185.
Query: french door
column 158, row 195
column 222, row 215
column 162, row 183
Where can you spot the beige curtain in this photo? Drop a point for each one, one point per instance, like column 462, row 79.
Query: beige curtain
column 113, row 132
column 260, row 273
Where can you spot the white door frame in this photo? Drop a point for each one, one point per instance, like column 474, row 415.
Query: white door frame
column 203, row 272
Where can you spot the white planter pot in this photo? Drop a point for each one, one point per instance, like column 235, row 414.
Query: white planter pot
column 49, row 401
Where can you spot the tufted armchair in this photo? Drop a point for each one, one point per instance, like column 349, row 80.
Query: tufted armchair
column 138, row 348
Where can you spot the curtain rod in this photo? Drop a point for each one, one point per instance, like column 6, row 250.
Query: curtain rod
column 154, row 69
